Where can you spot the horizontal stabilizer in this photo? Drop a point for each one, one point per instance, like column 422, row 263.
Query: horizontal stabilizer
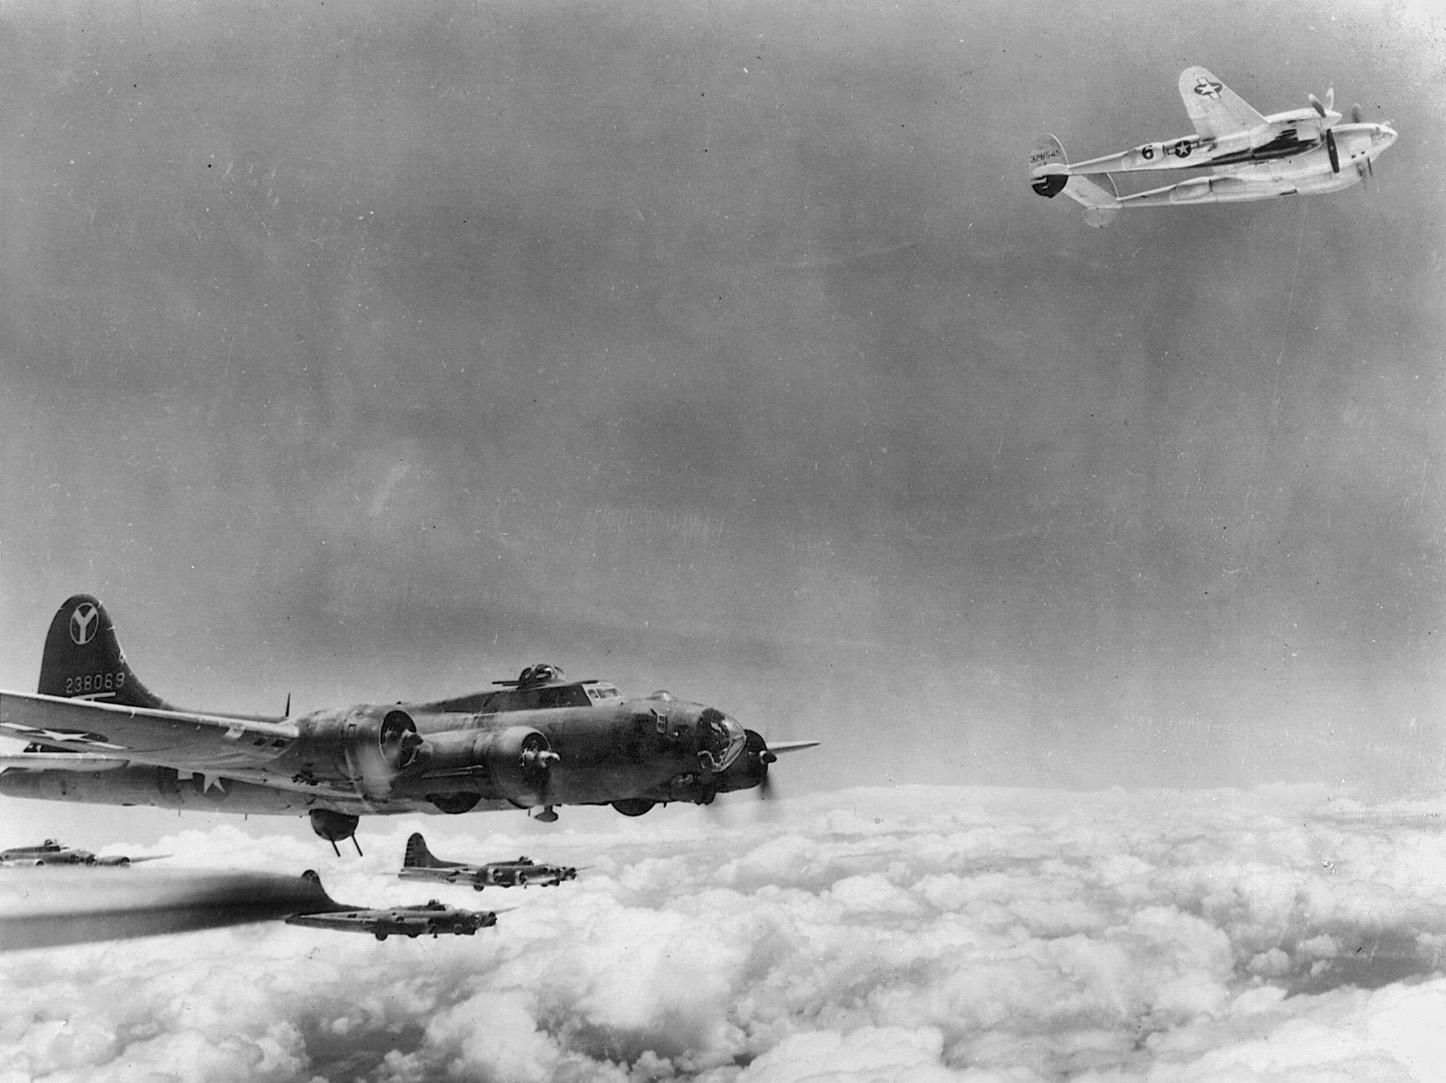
column 1100, row 204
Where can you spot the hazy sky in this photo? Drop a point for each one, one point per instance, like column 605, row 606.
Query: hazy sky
column 372, row 352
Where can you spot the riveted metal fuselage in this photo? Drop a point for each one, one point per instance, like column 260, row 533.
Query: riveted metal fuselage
column 451, row 756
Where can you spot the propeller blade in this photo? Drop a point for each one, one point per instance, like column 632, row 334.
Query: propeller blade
column 1356, row 113
column 780, row 747
column 1330, row 97
column 768, row 805
column 1315, row 104
column 1331, row 150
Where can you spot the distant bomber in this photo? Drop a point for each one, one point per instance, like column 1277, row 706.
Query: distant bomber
column 1248, row 156
column 51, row 852
column 97, row 734
column 430, row 919
column 420, row 864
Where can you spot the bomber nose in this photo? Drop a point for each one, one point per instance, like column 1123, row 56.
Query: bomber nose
column 720, row 739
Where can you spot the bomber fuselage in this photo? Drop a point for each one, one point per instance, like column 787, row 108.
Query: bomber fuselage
column 557, row 744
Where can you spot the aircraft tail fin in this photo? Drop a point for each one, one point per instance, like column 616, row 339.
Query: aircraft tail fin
column 1049, row 176
column 1048, row 167
column 417, row 855
column 83, row 659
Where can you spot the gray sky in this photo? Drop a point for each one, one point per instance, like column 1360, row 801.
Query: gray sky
column 374, row 353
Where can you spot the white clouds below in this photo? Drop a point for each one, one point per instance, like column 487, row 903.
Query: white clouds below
column 916, row 934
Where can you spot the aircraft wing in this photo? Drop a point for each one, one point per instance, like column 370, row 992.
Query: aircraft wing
column 361, row 920
column 452, row 874
column 1215, row 109
column 82, row 762
column 180, row 739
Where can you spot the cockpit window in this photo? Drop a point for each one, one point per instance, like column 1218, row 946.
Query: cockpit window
column 602, row 691
column 719, row 739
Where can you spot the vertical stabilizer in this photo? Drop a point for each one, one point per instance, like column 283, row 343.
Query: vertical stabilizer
column 417, row 855
column 1048, row 167
column 83, row 659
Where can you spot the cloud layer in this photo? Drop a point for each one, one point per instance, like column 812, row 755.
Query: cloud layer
column 911, row 934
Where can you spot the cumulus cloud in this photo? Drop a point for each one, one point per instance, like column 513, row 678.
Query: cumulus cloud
column 911, row 934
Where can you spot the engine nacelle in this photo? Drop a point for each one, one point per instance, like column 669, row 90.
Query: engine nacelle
column 1191, row 191
column 512, row 764
column 372, row 746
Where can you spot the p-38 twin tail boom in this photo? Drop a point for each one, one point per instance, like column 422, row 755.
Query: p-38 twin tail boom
column 1248, row 156
column 95, row 733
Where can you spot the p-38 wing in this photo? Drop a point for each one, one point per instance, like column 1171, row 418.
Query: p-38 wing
column 1216, row 111
column 1227, row 132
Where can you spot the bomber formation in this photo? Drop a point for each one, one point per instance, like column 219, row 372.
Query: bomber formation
column 69, row 910
column 96, row 734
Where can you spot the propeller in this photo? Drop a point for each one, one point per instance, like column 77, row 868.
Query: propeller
column 1368, row 171
column 1324, row 112
column 751, row 769
column 752, row 765
column 765, row 787
column 535, row 762
column 398, row 738
column 765, row 755
column 1327, row 112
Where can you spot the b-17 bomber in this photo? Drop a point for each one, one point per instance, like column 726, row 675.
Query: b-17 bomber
column 419, row 863
column 51, row 852
column 96, row 734
column 429, row 919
